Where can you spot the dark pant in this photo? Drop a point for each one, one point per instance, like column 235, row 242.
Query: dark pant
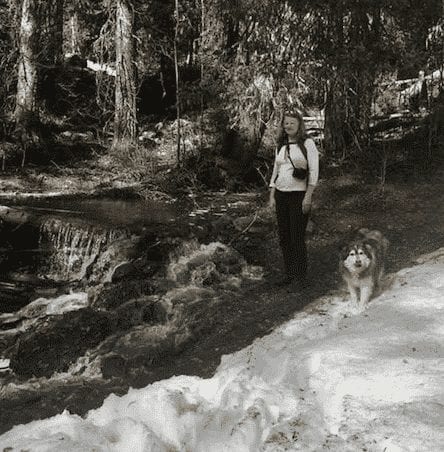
column 291, row 227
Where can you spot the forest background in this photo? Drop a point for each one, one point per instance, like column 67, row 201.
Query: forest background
column 190, row 92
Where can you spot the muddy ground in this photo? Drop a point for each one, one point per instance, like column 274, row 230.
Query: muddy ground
column 409, row 210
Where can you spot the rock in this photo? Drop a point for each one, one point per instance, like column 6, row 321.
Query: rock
column 143, row 310
column 54, row 306
column 141, row 346
column 110, row 296
column 58, row 342
column 118, row 253
column 113, row 366
column 205, row 265
column 122, row 270
column 189, row 313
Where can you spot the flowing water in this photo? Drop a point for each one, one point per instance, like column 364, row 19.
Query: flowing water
column 61, row 285
column 52, row 241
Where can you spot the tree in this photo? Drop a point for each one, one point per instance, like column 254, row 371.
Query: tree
column 125, row 117
column 27, row 61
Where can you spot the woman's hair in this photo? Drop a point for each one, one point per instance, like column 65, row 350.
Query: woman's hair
column 301, row 133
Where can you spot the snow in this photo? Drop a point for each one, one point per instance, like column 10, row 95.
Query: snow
column 332, row 378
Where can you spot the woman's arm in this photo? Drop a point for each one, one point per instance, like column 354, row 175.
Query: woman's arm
column 313, row 165
column 306, row 202
column 313, row 162
column 271, row 201
column 272, row 185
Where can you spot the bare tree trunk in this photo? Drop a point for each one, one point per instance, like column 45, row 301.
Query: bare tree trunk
column 335, row 108
column 55, row 28
column 74, row 47
column 125, row 118
column 176, row 71
column 335, row 119
column 27, row 62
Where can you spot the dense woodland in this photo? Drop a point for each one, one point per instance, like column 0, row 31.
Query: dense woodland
column 201, row 84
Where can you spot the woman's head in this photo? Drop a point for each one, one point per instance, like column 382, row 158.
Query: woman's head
column 292, row 127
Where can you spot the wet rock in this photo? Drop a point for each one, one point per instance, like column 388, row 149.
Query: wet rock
column 111, row 295
column 228, row 261
column 141, row 346
column 189, row 295
column 54, row 306
column 7, row 340
column 122, row 270
column 113, row 366
column 144, row 310
column 121, row 252
column 205, row 265
column 58, row 342
column 189, row 313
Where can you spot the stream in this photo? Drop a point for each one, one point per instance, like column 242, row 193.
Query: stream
column 94, row 288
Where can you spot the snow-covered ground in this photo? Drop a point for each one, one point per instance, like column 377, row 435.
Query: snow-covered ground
column 331, row 379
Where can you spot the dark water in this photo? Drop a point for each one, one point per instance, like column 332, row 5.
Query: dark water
column 133, row 213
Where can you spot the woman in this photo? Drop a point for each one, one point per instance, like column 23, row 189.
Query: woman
column 295, row 175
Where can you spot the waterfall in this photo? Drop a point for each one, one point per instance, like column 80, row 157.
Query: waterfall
column 75, row 247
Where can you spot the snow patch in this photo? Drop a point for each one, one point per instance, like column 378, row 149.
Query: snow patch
column 329, row 379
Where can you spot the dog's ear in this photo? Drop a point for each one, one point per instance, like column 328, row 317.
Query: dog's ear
column 369, row 249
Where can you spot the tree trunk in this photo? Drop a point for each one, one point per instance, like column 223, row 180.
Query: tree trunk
column 335, row 118
column 335, row 108
column 176, row 73
column 55, row 29
column 27, row 63
column 74, row 47
column 125, row 118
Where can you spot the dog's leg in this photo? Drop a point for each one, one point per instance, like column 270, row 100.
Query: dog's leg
column 353, row 293
column 366, row 293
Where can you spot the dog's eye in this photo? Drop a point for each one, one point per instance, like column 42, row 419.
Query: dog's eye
column 361, row 252
column 352, row 253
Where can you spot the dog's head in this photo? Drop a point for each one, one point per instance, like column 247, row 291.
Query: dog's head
column 357, row 256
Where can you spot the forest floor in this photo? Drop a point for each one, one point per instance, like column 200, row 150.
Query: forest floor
column 409, row 212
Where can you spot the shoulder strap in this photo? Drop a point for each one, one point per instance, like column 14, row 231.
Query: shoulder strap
column 304, row 150
column 304, row 153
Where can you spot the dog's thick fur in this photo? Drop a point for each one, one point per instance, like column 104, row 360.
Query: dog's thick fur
column 361, row 264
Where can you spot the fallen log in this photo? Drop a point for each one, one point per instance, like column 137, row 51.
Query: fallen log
column 394, row 122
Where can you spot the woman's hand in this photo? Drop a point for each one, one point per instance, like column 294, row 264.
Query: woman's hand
column 306, row 204
column 271, row 201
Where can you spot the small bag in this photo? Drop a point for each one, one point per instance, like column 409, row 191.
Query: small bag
column 299, row 173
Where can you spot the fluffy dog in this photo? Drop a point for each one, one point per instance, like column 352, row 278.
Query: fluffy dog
column 361, row 264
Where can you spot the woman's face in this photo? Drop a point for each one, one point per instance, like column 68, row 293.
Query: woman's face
column 291, row 125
